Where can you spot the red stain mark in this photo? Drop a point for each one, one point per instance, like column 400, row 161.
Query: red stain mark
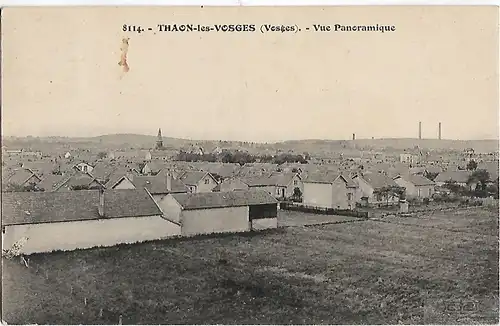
column 123, row 57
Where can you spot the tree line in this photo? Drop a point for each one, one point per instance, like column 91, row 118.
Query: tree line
column 241, row 157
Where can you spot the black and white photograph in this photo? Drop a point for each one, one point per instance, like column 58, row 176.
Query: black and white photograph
column 250, row 165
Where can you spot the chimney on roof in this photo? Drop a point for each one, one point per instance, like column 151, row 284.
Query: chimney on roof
column 353, row 136
column 439, row 132
column 168, row 178
column 101, row 202
column 420, row 130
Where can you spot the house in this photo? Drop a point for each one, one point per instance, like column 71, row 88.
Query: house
column 198, row 181
column 22, row 177
column 158, row 186
column 78, row 181
column 460, row 177
column 41, row 167
column 286, row 183
column 84, row 167
column 372, row 188
column 48, row 221
column 152, row 167
column 261, row 182
column 219, row 212
column 416, row 185
column 408, row 158
column 329, row 190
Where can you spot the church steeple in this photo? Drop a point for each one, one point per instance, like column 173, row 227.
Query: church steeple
column 159, row 141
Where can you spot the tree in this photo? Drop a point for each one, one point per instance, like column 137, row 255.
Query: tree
column 297, row 194
column 472, row 165
column 388, row 192
column 481, row 179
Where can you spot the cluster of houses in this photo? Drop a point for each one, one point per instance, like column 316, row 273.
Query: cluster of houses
column 67, row 204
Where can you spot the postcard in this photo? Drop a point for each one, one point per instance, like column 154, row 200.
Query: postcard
column 250, row 165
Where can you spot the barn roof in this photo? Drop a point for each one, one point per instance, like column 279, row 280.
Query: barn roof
column 50, row 207
column 193, row 201
column 158, row 184
column 329, row 177
column 20, row 176
column 129, row 203
column 378, row 180
column 417, row 180
column 49, row 182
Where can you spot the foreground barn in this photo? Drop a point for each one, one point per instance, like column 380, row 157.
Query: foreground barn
column 219, row 212
column 49, row 221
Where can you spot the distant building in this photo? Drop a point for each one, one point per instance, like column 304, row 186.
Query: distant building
column 159, row 141
column 198, row 181
column 78, row 181
column 416, row 185
column 329, row 191
column 460, row 177
column 408, row 158
column 371, row 186
column 84, row 167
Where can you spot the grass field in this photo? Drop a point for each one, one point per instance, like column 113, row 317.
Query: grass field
column 398, row 270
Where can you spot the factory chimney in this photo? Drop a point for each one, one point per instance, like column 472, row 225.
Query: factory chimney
column 353, row 136
column 440, row 131
column 420, row 130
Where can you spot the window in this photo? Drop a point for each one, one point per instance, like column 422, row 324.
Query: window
column 84, row 168
column 207, row 181
column 349, row 196
column 3, row 229
column 295, row 182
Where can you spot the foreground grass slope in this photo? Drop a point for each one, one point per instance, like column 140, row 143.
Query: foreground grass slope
column 388, row 271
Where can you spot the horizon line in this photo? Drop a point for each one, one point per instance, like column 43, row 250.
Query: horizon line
column 249, row 141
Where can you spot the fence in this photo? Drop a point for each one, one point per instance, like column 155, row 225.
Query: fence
column 322, row 210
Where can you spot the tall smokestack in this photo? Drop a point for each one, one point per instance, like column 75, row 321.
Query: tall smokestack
column 440, row 131
column 353, row 136
column 420, row 130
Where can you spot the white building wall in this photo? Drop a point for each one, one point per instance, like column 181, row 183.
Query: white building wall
column 264, row 223
column 317, row 194
column 364, row 190
column 47, row 237
column 207, row 184
column 410, row 188
column 215, row 220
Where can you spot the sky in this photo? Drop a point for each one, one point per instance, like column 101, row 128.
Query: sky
column 61, row 75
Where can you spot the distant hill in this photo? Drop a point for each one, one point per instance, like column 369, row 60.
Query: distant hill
column 136, row 141
column 483, row 146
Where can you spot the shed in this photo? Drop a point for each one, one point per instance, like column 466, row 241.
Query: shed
column 219, row 212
